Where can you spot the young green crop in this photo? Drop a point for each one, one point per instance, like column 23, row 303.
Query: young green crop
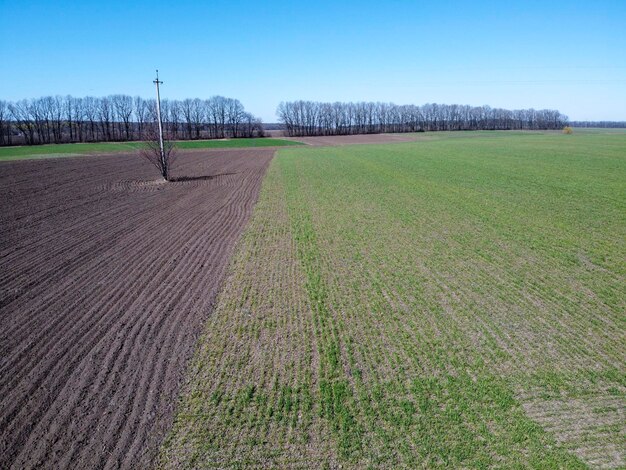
column 454, row 302
column 69, row 150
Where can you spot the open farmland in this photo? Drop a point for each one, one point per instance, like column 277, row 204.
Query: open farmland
column 454, row 302
column 106, row 277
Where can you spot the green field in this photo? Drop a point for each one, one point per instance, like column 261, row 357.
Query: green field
column 235, row 143
column 449, row 303
column 70, row 150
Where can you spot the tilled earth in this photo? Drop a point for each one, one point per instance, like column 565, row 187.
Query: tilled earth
column 106, row 278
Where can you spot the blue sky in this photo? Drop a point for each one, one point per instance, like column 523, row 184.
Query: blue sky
column 569, row 55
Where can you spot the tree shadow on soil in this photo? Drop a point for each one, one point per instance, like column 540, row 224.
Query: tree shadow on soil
column 183, row 179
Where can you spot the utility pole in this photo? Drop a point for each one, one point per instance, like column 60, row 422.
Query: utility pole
column 158, row 103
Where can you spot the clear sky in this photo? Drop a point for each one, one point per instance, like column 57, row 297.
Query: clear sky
column 569, row 55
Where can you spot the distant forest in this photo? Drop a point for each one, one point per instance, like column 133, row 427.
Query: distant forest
column 64, row 119
column 309, row 118
column 603, row 124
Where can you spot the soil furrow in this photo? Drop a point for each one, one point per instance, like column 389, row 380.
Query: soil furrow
column 106, row 283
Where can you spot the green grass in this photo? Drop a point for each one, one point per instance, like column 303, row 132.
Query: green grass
column 456, row 302
column 599, row 130
column 70, row 150
column 64, row 150
column 235, row 143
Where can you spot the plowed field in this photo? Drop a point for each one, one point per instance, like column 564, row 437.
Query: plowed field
column 106, row 277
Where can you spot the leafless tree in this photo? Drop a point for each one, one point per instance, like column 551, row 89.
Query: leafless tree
column 174, row 118
column 302, row 118
column 105, row 116
column 55, row 106
column 22, row 115
column 235, row 113
column 120, row 117
column 5, row 124
column 151, row 151
column 141, row 111
column 91, row 110
column 605, row 124
column 69, row 116
column 217, row 112
column 186, row 108
column 197, row 116
column 78, row 116
column 124, row 108
column 41, row 118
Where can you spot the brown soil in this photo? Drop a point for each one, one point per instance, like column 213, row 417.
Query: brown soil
column 107, row 276
column 334, row 140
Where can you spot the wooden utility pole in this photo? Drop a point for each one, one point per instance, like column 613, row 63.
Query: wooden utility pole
column 158, row 104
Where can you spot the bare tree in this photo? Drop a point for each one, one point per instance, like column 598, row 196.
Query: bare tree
column 78, row 116
column 174, row 118
column 141, row 111
column 68, row 103
column 217, row 109
column 124, row 108
column 5, row 124
column 105, row 115
column 151, row 151
column 119, row 117
column 234, row 113
column 197, row 116
column 187, row 111
column 90, row 105
column 609, row 124
column 304, row 118
column 23, row 116
column 56, row 117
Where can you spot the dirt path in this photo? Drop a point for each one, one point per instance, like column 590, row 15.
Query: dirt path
column 106, row 278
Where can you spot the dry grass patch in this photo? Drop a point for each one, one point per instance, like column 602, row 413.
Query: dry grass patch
column 587, row 415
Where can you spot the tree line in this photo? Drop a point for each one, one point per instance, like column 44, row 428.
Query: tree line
column 603, row 124
column 309, row 118
column 64, row 119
